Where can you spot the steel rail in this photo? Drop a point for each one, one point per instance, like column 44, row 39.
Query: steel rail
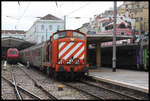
column 97, row 97
column 117, row 92
column 128, row 92
column 22, row 89
column 2, row 98
column 15, row 86
column 39, row 86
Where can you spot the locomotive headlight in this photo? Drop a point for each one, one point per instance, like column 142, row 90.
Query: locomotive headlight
column 72, row 39
column 81, row 61
column 63, row 62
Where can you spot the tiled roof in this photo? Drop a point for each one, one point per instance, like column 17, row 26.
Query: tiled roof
column 13, row 31
column 49, row 17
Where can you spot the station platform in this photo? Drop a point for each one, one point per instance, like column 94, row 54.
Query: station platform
column 138, row 80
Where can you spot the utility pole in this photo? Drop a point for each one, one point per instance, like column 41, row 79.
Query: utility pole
column 140, row 40
column 114, row 37
column 65, row 22
column 46, row 34
column 140, row 34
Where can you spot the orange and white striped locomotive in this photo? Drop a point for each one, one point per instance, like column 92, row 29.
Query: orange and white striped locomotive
column 64, row 55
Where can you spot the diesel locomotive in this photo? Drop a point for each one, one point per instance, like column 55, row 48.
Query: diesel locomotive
column 63, row 55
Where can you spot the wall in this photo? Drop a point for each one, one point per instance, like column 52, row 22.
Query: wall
column 41, row 30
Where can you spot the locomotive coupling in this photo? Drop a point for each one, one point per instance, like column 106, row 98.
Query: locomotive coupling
column 72, row 68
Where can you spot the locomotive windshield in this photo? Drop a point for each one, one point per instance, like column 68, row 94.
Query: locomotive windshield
column 60, row 35
column 78, row 35
column 12, row 52
column 64, row 34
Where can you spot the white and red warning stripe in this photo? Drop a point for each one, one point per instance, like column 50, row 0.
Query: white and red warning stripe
column 69, row 49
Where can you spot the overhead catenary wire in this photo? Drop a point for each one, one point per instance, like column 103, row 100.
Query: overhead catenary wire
column 18, row 3
column 74, row 12
column 56, row 4
column 78, row 8
column 23, row 13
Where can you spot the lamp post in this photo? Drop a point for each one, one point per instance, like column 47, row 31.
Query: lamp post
column 65, row 22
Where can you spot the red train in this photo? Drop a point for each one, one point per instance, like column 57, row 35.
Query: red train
column 12, row 55
column 64, row 55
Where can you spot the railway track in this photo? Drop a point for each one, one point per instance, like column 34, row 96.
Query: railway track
column 25, row 87
column 98, row 92
column 68, row 93
column 39, row 86
column 18, row 95
column 20, row 90
column 2, row 98
column 131, row 93
column 110, row 90
column 92, row 88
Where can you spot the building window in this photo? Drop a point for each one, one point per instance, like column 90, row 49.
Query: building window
column 58, row 27
column 99, row 29
column 42, row 27
column 50, row 27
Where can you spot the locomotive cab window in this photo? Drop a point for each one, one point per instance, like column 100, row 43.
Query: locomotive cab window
column 12, row 52
column 59, row 35
column 78, row 35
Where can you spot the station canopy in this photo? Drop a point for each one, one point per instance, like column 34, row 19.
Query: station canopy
column 94, row 38
column 11, row 42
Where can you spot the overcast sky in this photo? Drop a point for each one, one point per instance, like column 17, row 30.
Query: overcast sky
column 23, row 14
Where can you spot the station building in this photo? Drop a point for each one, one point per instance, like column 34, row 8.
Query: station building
column 43, row 28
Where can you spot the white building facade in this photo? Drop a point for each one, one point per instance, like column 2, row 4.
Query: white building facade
column 43, row 28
